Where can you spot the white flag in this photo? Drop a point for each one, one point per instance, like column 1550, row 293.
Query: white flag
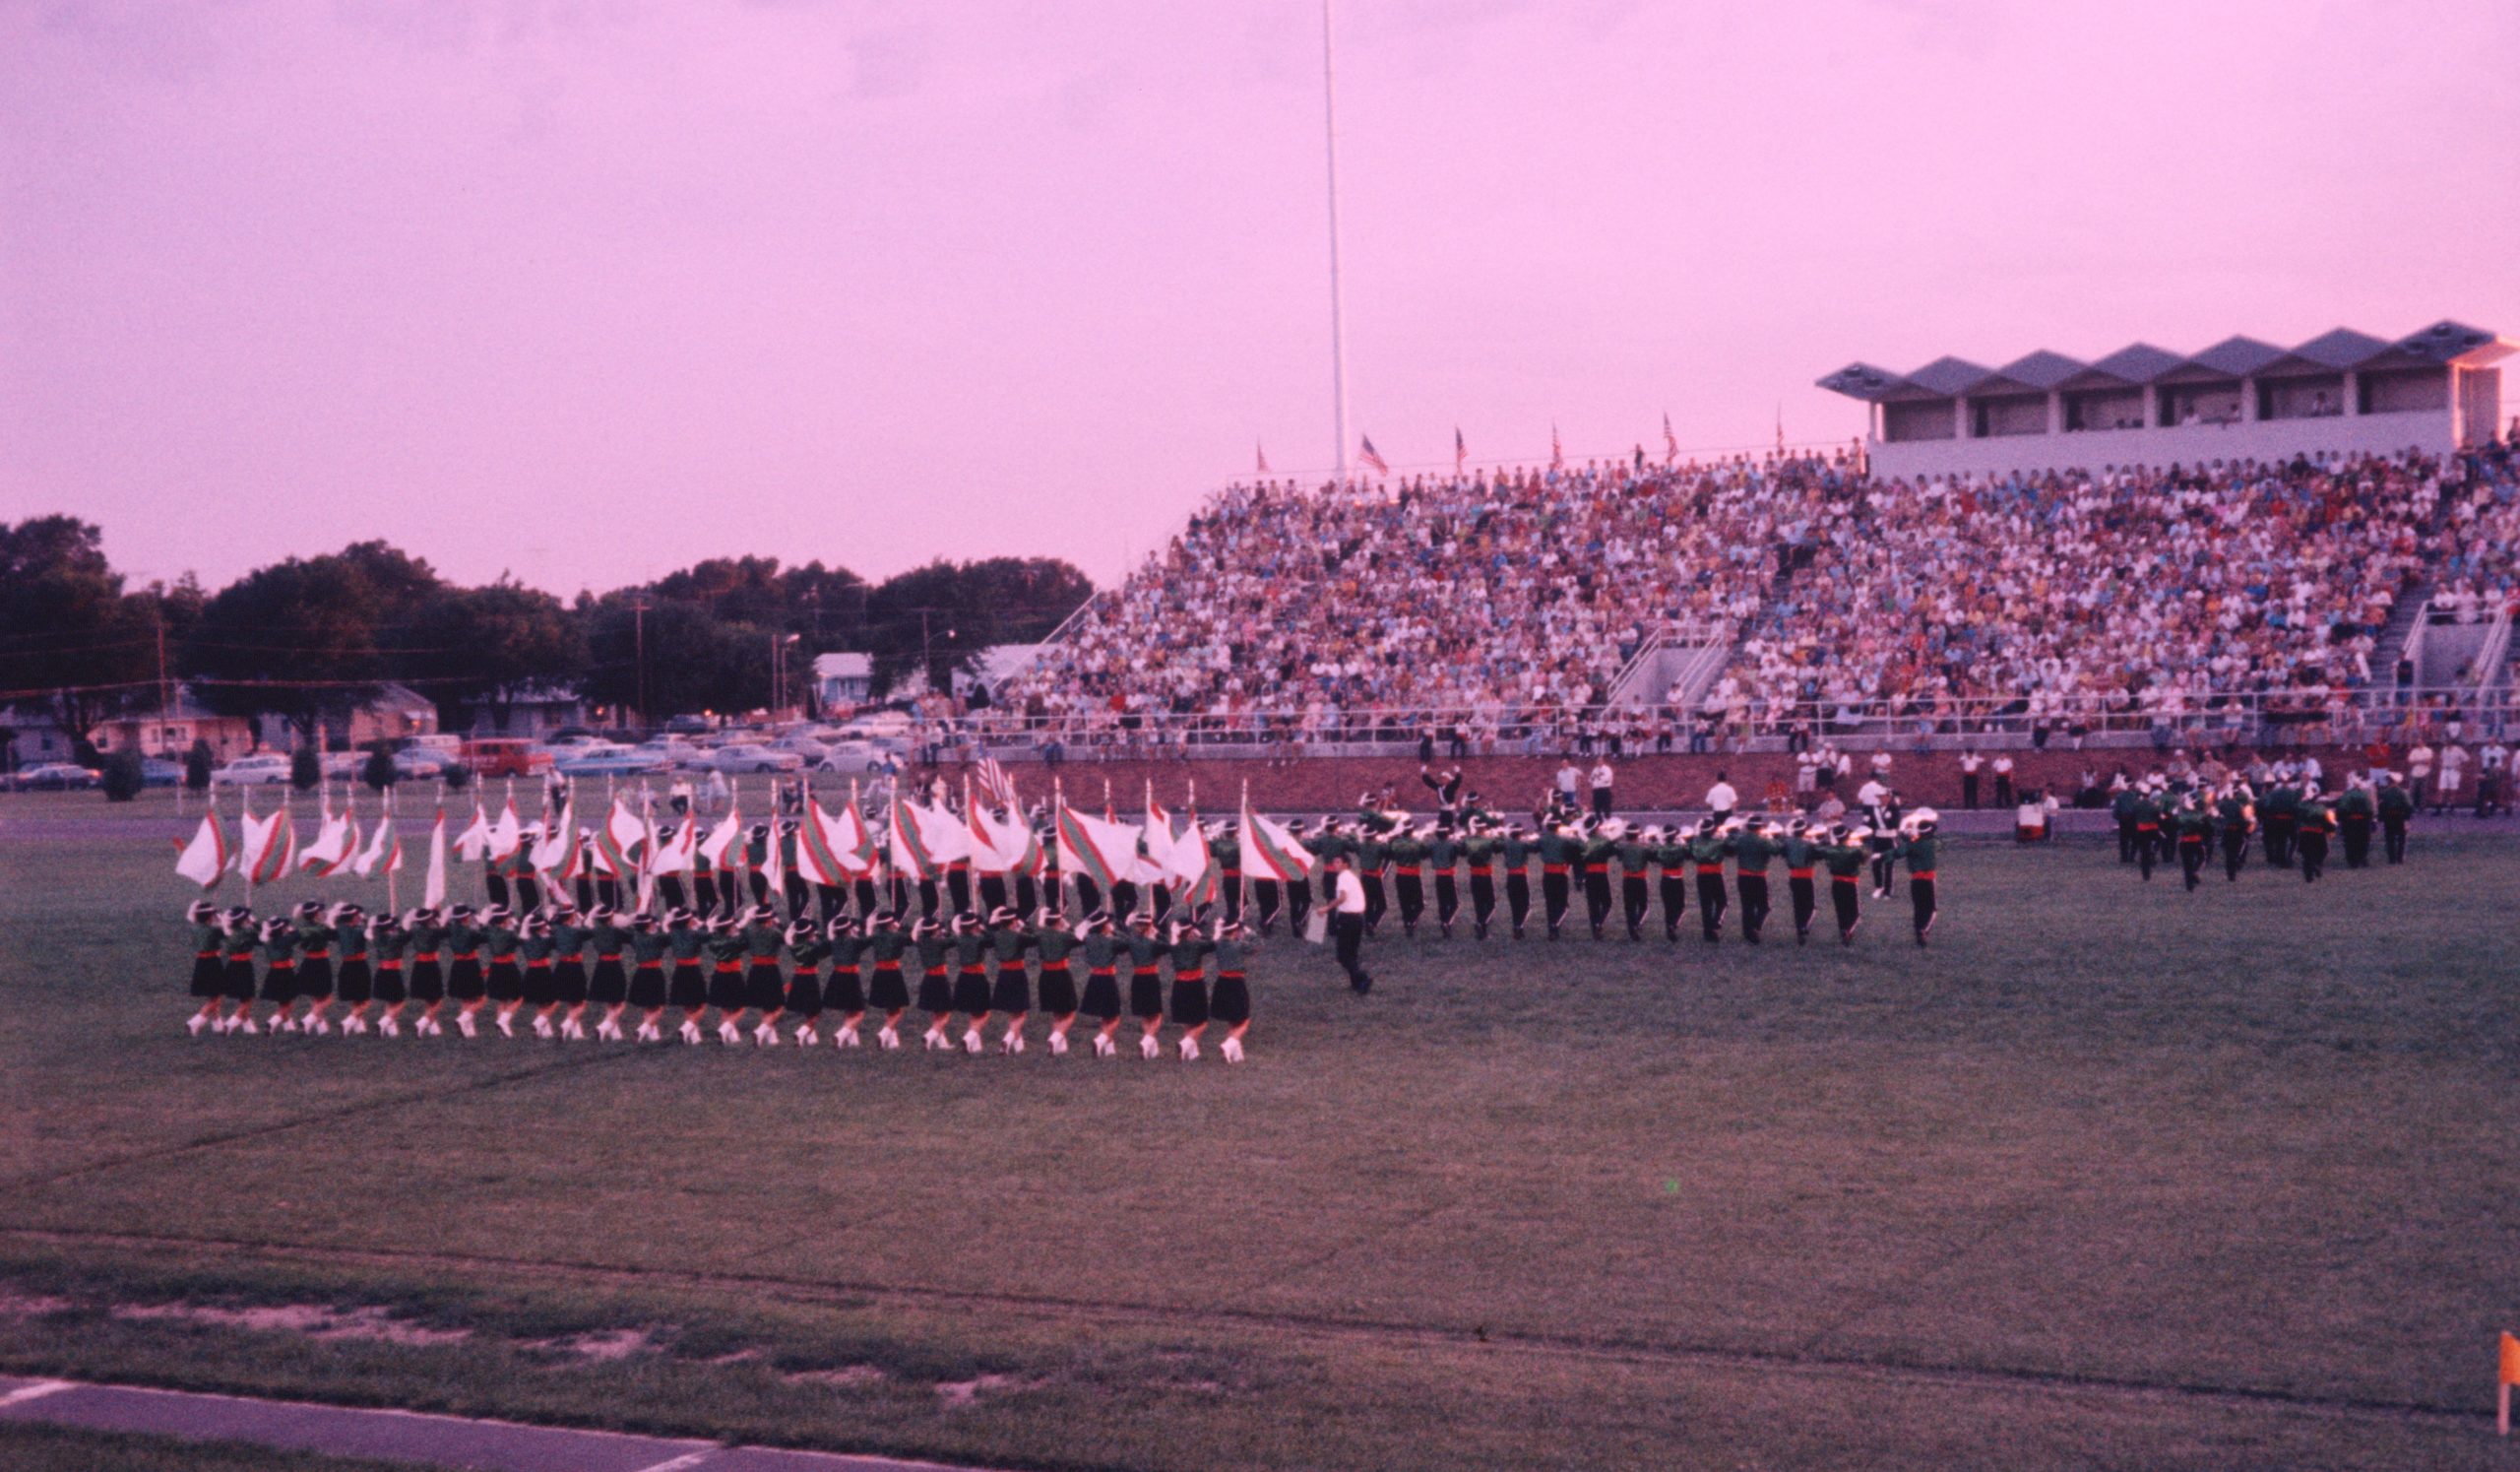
column 552, row 853
column 504, row 834
column 433, row 892
column 673, row 855
column 475, row 840
column 381, row 856
column 332, row 844
column 728, row 832
column 206, row 856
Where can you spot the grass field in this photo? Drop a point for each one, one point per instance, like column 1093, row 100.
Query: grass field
column 2114, row 1176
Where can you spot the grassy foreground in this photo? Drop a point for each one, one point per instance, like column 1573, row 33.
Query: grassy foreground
column 2113, row 1176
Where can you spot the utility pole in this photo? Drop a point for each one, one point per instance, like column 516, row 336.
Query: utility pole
column 639, row 627
column 1338, row 312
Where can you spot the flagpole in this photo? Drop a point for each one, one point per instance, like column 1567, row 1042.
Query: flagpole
column 1338, row 309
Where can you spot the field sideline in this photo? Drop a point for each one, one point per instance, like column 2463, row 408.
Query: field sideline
column 2114, row 1174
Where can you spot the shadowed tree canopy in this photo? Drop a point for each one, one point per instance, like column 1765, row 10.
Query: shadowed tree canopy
column 72, row 643
column 968, row 607
column 694, row 661
column 308, row 638
column 488, row 646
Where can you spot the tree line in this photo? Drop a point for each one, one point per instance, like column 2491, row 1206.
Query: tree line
column 305, row 640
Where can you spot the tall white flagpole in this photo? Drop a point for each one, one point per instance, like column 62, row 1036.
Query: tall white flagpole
column 1338, row 312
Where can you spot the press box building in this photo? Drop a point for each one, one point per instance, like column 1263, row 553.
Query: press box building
column 2343, row 392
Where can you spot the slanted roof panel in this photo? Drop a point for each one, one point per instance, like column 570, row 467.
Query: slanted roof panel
column 2139, row 363
column 1949, row 375
column 2341, row 348
column 1863, row 381
column 2238, row 357
column 2448, row 341
column 2040, row 370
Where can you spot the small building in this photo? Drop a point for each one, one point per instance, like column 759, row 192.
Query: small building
column 2343, row 392
column 535, row 711
column 396, row 714
column 844, row 679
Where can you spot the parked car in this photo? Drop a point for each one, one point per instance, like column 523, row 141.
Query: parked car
column 803, row 745
column 160, row 771
column 687, row 725
column 506, row 756
column 853, row 757
column 252, row 771
column 342, row 766
column 56, row 776
column 420, row 762
column 632, row 762
column 734, row 760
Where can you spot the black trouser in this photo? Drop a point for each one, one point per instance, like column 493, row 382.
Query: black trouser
column 759, row 883
column 1233, row 898
column 1675, row 903
column 670, row 890
column 1754, row 904
column 1842, row 889
column 1553, row 898
column 586, row 893
column 869, row 901
column 1375, row 902
column 2191, row 859
column 725, row 891
column 2003, row 788
column 1412, row 898
column 1124, row 898
column 1799, row 888
column 1447, row 898
column 2314, row 847
column 957, row 883
column 1635, row 898
column 1597, row 898
column 2144, row 838
column 799, row 890
column 607, row 890
column 1710, row 903
column 529, row 895
column 1266, row 897
column 2393, row 839
column 2357, row 834
column 1028, row 895
column 2234, row 852
column 2127, row 835
column 1482, row 899
column 1881, row 870
column 1517, row 898
column 1349, row 931
column 1921, row 894
column 1600, row 803
column 1299, row 902
column 829, row 901
column 2279, row 839
column 927, row 898
column 1969, row 789
column 1089, row 895
column 497, row 885
column 993, row 893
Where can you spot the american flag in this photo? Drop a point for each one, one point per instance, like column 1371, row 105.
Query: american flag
column 1556, row 452
column 1262, row 455
column 1373, row 456
column 996, row 785
column 1460, row 451
column 1671, row 441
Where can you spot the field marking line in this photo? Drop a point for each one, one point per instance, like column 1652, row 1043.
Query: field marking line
column 323, row 1117
column 1807, row 1363
column 687, row 1459
column 36, row 1391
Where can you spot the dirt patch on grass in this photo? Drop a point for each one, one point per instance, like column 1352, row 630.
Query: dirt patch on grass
column 844, row 1378
column 317, row 1321
column 954, row 1394
column 31, row 1305
column 600, row 1346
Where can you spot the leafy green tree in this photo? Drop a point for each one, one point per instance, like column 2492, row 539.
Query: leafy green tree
column 378, row 770
column 305, row 769
column 304, row 639
column 198, row 762
column 488, row 647
column 692, row 661
column 67, row 629
column 945, row 614
column 123, row 779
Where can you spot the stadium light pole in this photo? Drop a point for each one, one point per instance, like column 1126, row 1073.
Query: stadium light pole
column 1338, row 312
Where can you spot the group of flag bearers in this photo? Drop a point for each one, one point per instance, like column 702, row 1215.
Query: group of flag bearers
column 2293, row 821
column 640, row 930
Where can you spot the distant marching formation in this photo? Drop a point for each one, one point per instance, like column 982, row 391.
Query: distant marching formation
column 607, row 932
column 2292, row 818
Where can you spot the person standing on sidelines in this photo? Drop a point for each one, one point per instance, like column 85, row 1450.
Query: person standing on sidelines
column 1347, row 923
column 1604, row 797
column 2397, row 809
column 1922, row 850
column 1970, row 765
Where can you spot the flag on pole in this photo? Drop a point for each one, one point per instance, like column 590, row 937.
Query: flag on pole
column 505, row 835
column 206, row 857
column 268, row 850
column 434, row 889
column 728, row 835
column 1373, row 457
column 1556, row 451
column 1191, row 866
column 475, row 840
column 773, row 867
column 1460, row 451
column 622, row 832
column 673, row 855
column 1097, row 849
column 1671, row 441
column 331, row 848
column 995, row 784
column 1779, row 427
column 383, row 854
column 558, row 848
column 1280, row 856
column 1156, row 838
column 1261, row 455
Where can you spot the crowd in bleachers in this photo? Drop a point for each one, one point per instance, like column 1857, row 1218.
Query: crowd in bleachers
column 1499, row 602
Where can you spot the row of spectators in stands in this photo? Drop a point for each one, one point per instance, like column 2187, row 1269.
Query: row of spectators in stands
column 2064, row 599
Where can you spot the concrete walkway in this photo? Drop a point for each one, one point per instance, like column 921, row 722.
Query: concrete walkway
column 398, row 1435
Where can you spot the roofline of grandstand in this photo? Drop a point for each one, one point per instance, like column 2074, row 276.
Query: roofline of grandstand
column 2341, row 350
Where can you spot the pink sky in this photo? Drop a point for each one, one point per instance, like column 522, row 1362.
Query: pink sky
column 586, row 290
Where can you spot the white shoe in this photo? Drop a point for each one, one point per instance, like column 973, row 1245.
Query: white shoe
column 972, row 1039
column 1189, row 1050
column 934, row 1039
column 436, row 1028
column 1058, row 1044
column 248, row 1029
column 1103, row 1048
column 280, row 1023
column 728, row 1035
column 195, row 1026
column 572, row 1030
column 1231, row 1049
column 320, row 1026
column 1013, row 1042
column 543, row 1028
column 390, row 1026
column 765, row 1036
column 353, row 1023
column 846, row 1037
column 691, row 1032
column 1147, row 1047
column 807, row 1037
column 887, row 1040
column 464, row 1024
column 505, row 1024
